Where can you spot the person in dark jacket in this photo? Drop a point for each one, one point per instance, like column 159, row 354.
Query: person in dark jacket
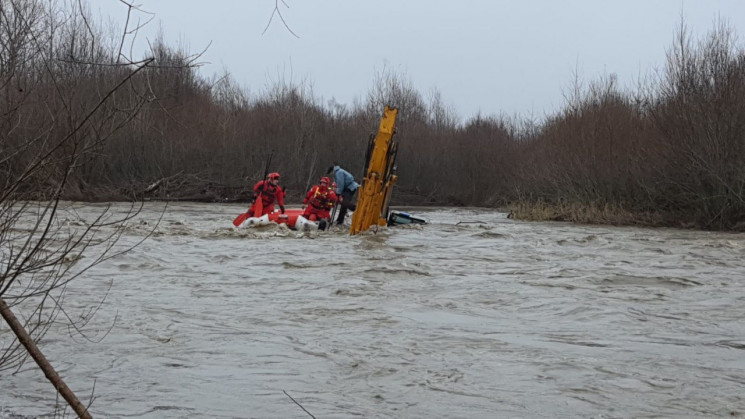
column 346, row 188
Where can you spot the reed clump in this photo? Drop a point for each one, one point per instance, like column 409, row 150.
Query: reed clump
column 586, row 213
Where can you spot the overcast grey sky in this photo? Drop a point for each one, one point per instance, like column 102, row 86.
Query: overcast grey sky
column 488, row 56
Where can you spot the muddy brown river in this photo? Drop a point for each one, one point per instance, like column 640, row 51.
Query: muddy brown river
column 470, row 316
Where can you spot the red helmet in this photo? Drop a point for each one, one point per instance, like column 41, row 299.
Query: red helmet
column 273, row 176
column 325, row 180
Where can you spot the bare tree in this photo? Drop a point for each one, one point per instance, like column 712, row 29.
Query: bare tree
column 63, row 94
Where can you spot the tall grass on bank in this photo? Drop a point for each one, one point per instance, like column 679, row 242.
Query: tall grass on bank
column 592, row 213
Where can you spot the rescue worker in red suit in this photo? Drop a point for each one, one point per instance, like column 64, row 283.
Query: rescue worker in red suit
column 268, row 191
column 319, row 200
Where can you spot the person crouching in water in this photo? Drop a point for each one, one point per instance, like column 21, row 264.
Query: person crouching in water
column 319, row 200
column 265, row 193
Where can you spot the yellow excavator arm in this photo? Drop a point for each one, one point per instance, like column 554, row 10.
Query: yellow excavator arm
column 375, row 192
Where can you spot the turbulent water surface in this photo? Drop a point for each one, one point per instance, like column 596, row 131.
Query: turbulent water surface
column 472, row 315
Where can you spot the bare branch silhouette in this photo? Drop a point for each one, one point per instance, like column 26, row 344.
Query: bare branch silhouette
column 278, row 12
column 64, row 97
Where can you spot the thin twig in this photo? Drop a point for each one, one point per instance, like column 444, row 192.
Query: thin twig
column 278, row 13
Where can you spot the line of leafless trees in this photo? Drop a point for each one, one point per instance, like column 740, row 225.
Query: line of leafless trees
column 673, row 147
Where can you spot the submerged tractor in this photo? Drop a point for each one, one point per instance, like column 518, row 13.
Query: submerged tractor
column 380, row 176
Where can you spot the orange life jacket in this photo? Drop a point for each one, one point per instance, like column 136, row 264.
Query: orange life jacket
column 321, row 198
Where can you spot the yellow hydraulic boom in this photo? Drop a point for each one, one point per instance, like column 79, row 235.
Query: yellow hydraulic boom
column 375, row 192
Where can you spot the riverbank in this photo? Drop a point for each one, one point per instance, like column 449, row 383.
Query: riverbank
column 187, row 190
column 606, row 214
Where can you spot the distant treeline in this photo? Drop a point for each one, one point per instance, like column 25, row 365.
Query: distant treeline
column 74, row 114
